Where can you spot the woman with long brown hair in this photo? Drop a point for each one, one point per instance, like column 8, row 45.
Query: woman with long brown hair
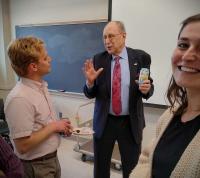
column 175, row 152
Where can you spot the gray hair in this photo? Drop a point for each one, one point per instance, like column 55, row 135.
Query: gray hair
column 120, row 25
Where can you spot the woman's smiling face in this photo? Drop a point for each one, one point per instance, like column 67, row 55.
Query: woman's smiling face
column 186, row 57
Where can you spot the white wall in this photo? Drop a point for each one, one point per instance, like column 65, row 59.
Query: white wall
column 153, row 25
column 74, row 107
column 6, row 75
column 25, row 12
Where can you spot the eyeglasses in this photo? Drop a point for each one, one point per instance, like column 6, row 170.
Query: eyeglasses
column 111, row 36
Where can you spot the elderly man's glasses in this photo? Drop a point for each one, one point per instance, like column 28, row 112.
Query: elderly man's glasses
column 110, row 36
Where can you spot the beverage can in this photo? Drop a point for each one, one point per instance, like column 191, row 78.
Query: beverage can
column 144, row 75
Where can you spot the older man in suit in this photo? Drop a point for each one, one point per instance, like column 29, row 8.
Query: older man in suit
column 111, row 78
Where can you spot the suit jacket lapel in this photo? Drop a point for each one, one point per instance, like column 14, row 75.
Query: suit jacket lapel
column 133, row 67
column 108, row 74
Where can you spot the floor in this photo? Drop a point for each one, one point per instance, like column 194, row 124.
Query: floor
column 73, row 167
column 71, row 164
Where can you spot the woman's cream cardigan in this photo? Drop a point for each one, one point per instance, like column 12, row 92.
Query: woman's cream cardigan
column 188, row 165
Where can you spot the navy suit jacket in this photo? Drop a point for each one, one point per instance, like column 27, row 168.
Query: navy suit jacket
column 102, row 91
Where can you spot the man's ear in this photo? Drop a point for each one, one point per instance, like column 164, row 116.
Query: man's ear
column 124, row 35
column 33, row 67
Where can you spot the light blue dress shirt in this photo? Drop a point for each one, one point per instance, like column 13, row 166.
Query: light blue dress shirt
column 125, row 81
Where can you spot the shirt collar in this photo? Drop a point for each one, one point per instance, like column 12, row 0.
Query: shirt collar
column 33, row 84
column 122, row 55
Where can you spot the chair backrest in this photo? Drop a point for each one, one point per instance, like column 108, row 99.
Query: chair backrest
column 3, row 124
column 2, row 114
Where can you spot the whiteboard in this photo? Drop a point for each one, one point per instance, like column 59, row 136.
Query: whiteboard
column 153, row 26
